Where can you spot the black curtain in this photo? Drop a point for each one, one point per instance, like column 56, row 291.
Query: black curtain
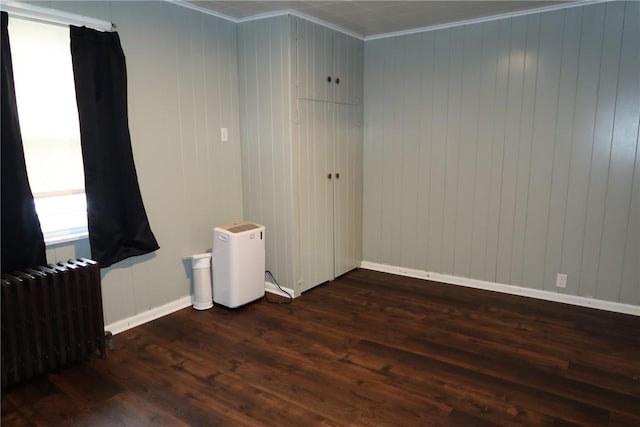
column 22, row 241
column 118, row 225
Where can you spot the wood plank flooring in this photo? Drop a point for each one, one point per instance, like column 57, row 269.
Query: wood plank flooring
column 369, row 349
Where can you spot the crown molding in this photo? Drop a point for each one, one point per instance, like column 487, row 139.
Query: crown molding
column 577, row 3
column 302, row 16
column 188, row 5
column 284, row 12
column 555, row 7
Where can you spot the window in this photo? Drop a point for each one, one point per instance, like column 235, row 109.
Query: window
column 48, row 114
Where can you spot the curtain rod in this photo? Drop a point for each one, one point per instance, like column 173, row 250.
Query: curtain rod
column 25, row 10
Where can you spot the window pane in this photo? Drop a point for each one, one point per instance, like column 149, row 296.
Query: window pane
column 62, row 214
column 47, row 108
column 48, row 114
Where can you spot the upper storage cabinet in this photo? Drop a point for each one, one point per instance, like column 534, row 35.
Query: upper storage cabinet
column 314, row 65
column 329, row 64
column 348, row 69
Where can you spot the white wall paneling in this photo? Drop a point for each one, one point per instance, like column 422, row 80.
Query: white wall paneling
column 183, row 87
column 506, row 151
column 266, row 93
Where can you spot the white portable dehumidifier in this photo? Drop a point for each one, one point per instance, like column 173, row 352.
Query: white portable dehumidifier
column 238, row 263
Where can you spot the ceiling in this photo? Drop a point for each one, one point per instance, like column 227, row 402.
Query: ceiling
column 372, row 18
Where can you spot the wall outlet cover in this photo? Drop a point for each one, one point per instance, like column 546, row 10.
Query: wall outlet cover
column 561, row 280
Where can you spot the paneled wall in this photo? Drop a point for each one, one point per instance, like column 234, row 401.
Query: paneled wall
column 182, row 83
column 507, row 151
column 266, row 100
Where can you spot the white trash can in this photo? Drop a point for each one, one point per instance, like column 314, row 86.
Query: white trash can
column 202, row 292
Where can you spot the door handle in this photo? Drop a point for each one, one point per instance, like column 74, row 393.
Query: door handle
column 337, row 175
column 329, row 176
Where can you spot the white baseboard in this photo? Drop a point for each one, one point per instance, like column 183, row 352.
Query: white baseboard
column 185, row 301
column 273, row 289
column 507, row 289
column 158, row 312
column 148, row 316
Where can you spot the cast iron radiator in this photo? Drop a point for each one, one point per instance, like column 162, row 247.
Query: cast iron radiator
column 51, row 317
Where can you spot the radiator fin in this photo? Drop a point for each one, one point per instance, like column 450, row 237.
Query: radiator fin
column 51, row 317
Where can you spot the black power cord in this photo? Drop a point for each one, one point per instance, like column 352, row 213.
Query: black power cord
column 275, row 282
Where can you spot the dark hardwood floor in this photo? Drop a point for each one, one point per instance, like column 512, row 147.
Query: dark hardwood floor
column 369, row 349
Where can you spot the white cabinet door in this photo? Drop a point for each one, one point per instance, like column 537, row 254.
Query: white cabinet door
column 329, row 124
column 314, row 63
column 348, row 71
column 347, row 188
column 316, row 178
column 329, row 65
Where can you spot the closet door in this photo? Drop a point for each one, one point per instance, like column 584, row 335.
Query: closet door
column 316, row 180
column 347, row 188
column 348, row 63
column 314, row 61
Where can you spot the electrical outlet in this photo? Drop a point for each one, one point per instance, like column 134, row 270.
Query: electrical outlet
column 224, row 135
column 561, row 280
